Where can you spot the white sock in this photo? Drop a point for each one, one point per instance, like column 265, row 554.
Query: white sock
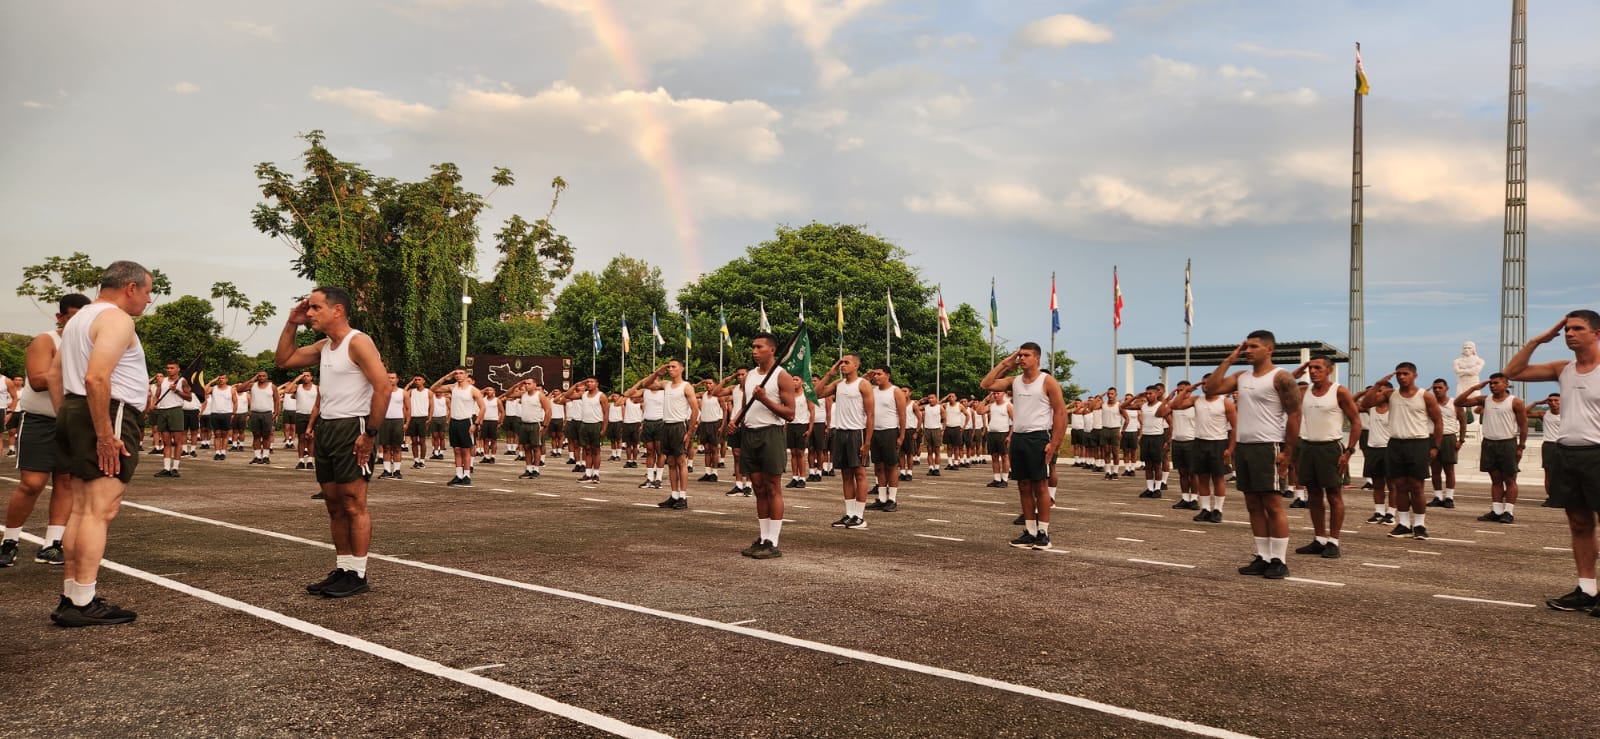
column 166, row 463
column 1052, row 493
column 1497, row 507
column 1262, row 548
column 827, row 466
column 1164, row 475
column 14, row 533
column 1438, row 494
column 1032, row 526
column 1511, row 508
column 1334, row 540
column 359, row 565
column 1300, row 494
column 175, row 464
column 1216, row 502
column 79, row 593
column 892, row 492
column 1205, row 502
column 1044, row 528
column 1279, row 549
column 1449, row 493
column 1586, row 584
column 1377, row 508
column 527, row 468
column 1404, row 518
column 1418, row 519
column 883, row 494
column 1321, row 539
column 460, row 472
column 343, row 561
column 774, row 527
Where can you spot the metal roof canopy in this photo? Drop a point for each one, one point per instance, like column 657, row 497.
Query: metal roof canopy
column 1210, row 355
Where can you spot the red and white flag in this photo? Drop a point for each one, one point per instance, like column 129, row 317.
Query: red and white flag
column 944, row 318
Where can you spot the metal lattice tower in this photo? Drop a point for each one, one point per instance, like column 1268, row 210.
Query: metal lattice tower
column 1513, row 274
column 1358, row 312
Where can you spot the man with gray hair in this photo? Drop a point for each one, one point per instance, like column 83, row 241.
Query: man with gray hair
column 97, row 385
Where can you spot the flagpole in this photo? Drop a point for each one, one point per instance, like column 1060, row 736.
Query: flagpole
column 991, row 321
column 622, row 375
column 886, row 351
column 840, row 306
column 1114, row 326
column 1186, row 321
column 1052, row 327
column 938, row 351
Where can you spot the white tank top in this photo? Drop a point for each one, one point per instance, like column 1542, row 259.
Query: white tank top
column 954, row 415
column 1111, row 415
column 34, row 401
column 675, row 404
column 614, row 412
column 1408, row 417
column 632, row 412
column 1149, row 422
column 440, row 406
column 558, row 411
column 1321, row 418
column 1499, row 419
column 849, row 409
column 759, row 415
column 653, row 409
column 932, row 416
column 588, row 410
column 397, row 404
column 462, row 406
column 710, row 408
column 344, row 387
column 1211, row 419
column 1032, row 412
column 911, row 415
column 1075, row 421
column 1133, row 420
column 802, row 410
column 885, row 415
column 1092, row 421
column 1378, row 429
column 1447, row 411
column 514, row 408
column 1552, row 426
column 533, row 407
column 1183, row 424
column 261, row 399
column 127, row 377
column 221, row 400
column 289, row 404
column 305, row 398
column 999, row 417
column 1261, row 416
column 194, row 402
column 491, row 409
column 167, row 395
column 1580, row 407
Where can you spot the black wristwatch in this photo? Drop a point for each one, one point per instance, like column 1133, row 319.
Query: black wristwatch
column 372, row 433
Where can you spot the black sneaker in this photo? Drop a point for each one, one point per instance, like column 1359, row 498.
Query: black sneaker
column 1163, row 487
column 49, row 554
column 1490, row 517
column 712, row 477
column 175, row 473
column 163, row 473
column 1331, row 551
column 466, row 482
column 876, row 505
column 1577, row 600
column 1216, row 515
column 703, row 478
column 526, row 475
column 800, row 484
column 1388, row 518
column 1399, row 531
column 1202, row 517
column 1021, row 520
column 645, row 485
column 839, row 524
column 654, row 484
column 1315, row 547
column 1298, row 503
column 417, row 464
column 395, row 475
column 1376, row 518
column 97, row 613
column 1256, row 567
column 347, row 585
column 1507, row 517
column 455, row 482
column 8, row 553
column 680, row 504
column 299, row 465
column 856, row 522
column 889, row 506
column 933, row 473
column 1367, row 486
column 1276, row 570
column 736, row 490
column 1449, row 503
column 666, row 503
column 1026, row 541
column 751, row 550
column 382, row 476
column 790, row 485
column 488, row 460
column 814, row 477
column 1436, row 503
column 333, row 577
column 1419, row 532
column 768, row 550
column 1181, row 505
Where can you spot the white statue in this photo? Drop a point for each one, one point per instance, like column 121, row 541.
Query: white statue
column 1468, row 367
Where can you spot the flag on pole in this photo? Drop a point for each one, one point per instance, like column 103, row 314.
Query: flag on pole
column 944, row 318
column 796, row 359
column 1116, row 291
column 722, row 317
column 802, row 309
column 892, row 319
column 625, row 340
column 994, row 307
column 1361, row 73
column 1188, row 298
column 765, row 325
column 655, row 330
column 1055, row 311
column 594, row 328
column 841, row 313
column 688, row 331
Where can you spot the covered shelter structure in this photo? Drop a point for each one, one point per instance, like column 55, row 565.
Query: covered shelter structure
column 1287, row 354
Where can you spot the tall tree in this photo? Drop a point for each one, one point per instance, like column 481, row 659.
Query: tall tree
column 50, row 280
column 185, row 329
column 235, row 301
column 626, row 287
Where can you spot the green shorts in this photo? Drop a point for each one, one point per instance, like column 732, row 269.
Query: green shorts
column 761, row 450
column 908, row 444
column 672, row 435
column 1108, row 436
column 302, row 420
column 417, row 428
column 489, row 430
column 847, row 448
column 996, row 444
column 1209, row 457
column 169, row 420
column 335, row 451
column 392, row 432
column 1499, row 456
column 1409, row 458
column 1572, row 476
column 1316, row 464
column 1257, row 467
column 614, row 432
column 587, row 434
column 1447, row 450
column 818, row 441
column 631, row 433
column 36, row 443
column 710, row 432
column 1376, row 464
column 1130, row 441
column 261, row 423
column 885, row 447
column 1153, row 450
column 1027, row 456
column 1183, row 455
column 794, row 435
column 952, row 436
column 930, row 439
column 76, row 452
column 650, row 433
column 438, row 424
column 530, row 434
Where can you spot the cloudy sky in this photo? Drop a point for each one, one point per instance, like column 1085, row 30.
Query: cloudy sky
column 1006, row 139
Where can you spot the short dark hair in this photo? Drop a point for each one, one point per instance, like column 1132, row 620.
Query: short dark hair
column 884, row 368
column 1182, row 383
column 1262, row 334
column 1553, row 395
column 1405, row 365
column 767, row 337
column 1587, row 316
column 72, row 300
column 336, row 296
column 1325, row 360
column 1384, row 383
column 123, row 273
column 1438, row 380
column 1032, row 347
column 1499, row 376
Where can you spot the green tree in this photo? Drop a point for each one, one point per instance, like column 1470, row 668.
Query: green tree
column 184, row 329
column 533, row 256
column 13, row 350
column 255, row 315
column 626, row 287
column 404, row 250
column 50, row 280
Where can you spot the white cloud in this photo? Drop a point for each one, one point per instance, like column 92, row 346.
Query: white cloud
column 1060, row 31
column 821, row 120
column 849, row 143
column 718, row 194
column 185, row 88
column 1300, row 96
column 252, row 28
column 1250, row 48
column 947, row 43
column 1199, row 196
column 1171, row 70
column 1229, row 71
column 948, row 105
column 376, row 105
column 35, row 105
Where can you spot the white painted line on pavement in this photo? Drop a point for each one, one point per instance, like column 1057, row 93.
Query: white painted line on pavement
column 485, row 667
column 1136, row 541
column 991, row 502
column 1112, row 502
column 929, row 497
column 1419, row 551
column 800, row 506
column 548, row 495
column 807, row 644
column 1146, row 515
column 1452, row 541
column 646, row 505
column 1163, row 564
column 1375, row 564
column 938, row 520
column 502, row 490
column 1315, row 582
column 1496, row 533
column 943, row 538
column 1558, row 549
column 741, row 623
column 1485, row 600
column 420, row 664
column 714, row 513
column 1192, row 531
column 595, row 500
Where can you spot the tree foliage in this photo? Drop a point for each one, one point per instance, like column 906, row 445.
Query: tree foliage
column 55, row 277
column 255, row 315
column 533, row 257
column 404, row 250
column 185, row 329
column 626, row 287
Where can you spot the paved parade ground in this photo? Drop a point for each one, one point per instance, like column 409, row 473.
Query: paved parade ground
column 546, row 608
